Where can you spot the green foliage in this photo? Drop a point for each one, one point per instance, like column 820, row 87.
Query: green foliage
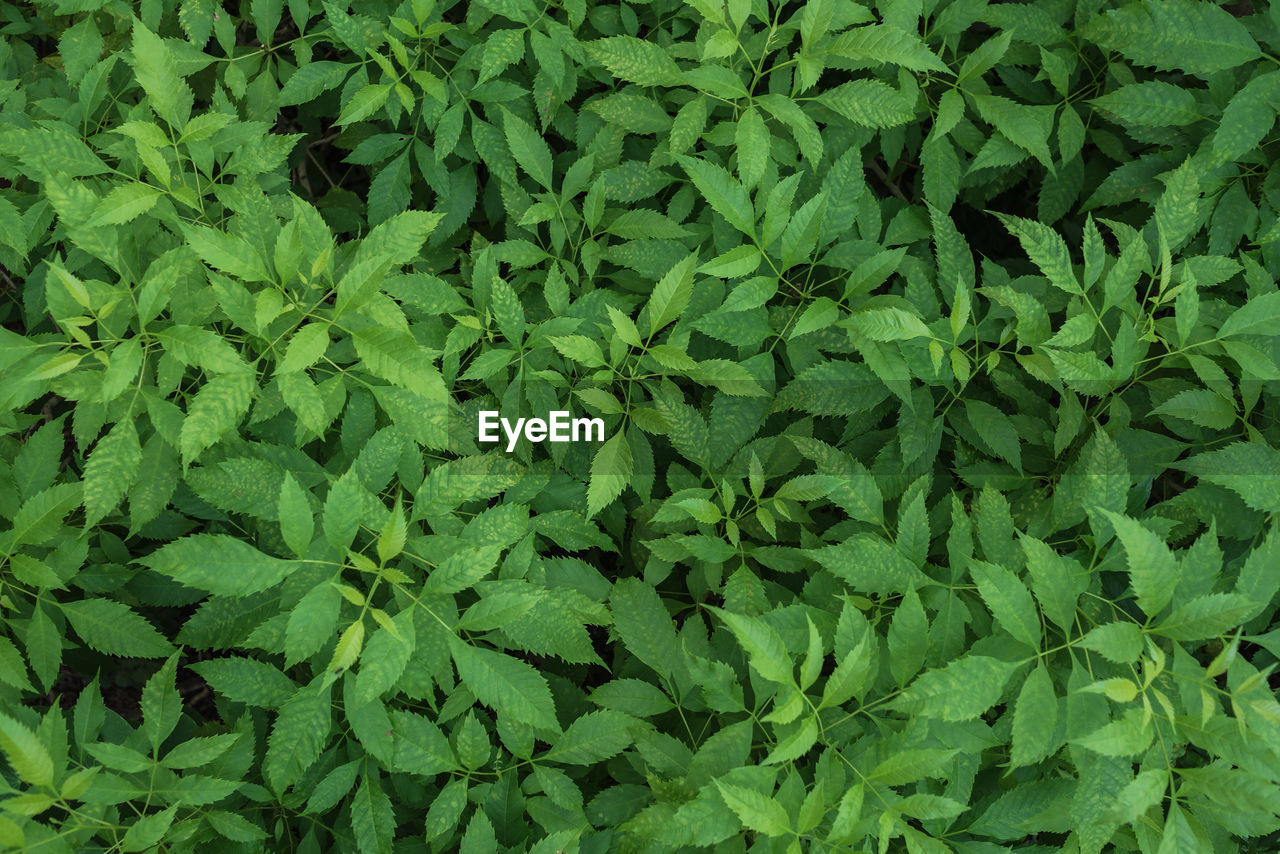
column 936, row 346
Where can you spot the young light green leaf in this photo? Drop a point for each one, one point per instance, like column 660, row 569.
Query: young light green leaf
column 611, row 470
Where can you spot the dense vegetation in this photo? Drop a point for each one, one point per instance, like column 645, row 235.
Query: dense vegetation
column 936, row 343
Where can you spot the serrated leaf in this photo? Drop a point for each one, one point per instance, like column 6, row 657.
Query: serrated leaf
column 756, row 811
column 725, row 195
column 219, row 563
column 962, row 690
column 297, row 737
column 611, row 470
column 1154, row 103
column 1035, row 719
column 528, row 148
column 1008, row 600
column 1153, row 570
column 216, row 408
column 1175, row 35
column 505, row 683
column 591, row 738
column 868, row 103
column 26, row 755
column 635, row 60
column 112, row 468
column 113, row 628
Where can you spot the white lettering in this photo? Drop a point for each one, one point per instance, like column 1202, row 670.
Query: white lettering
column 587, row 424
column 559, row 426
column 488, row 426
column 513, row 435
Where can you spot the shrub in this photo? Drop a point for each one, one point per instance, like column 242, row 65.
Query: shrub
column 935, row 347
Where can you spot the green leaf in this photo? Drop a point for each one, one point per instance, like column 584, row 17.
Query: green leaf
column 592, row 738
column 1178, row 837
column 1143, row 792
column 235, row 827
column 611, row 470
column 756, row 811
column 765, row 649
column 1035, row 720
column 869, row 564
column 219, row 563
column 298, row 736
column 908, row 638
column 1046, row 249
column 505, row 683
column 1201, row 407
column 1056, row 581
column 216, row 409
column 528, row 148
column 372, row 818
column 1259, row 316
column 880, row 44
column 671, row 295
column 752, row 137
column 962, row 690
column 635, row 60
column 111, row 627
column 385, row 657
column 29, row 758
column 796, row 744
column 306, row 347
column 1206, row 617
column 996, row 429
column 344, row 510
column 148, row 830
column 246, row 680
column 463, row 569
column 910, row 766
column 1250, row 469
column 40, row 516
column 297, row 526
column 1180, row 35
column 312, row 622
column 228, row 253
column 13, row 670
column 112, row 468
column 199, row 751
column 886, row 324
column 580, row 349
column 1153, row 103
column 161, row 703
column 1128, row 736
column 1024, row 125
column 124, row 204
column 1153, row 570
column 644, row 624
column 1248, row 117
column 311, row 80
column 1177, row 212
column 157, row 72
column 725, row 195
column 420, row 746
column 868, row 103
column 1008, row 600
column 364, row 103
column 394, row 532
column 1120, row 641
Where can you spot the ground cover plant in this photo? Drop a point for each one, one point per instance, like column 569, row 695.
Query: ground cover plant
column 935, row 343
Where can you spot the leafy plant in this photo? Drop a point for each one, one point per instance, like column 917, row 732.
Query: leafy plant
column 936, row 345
